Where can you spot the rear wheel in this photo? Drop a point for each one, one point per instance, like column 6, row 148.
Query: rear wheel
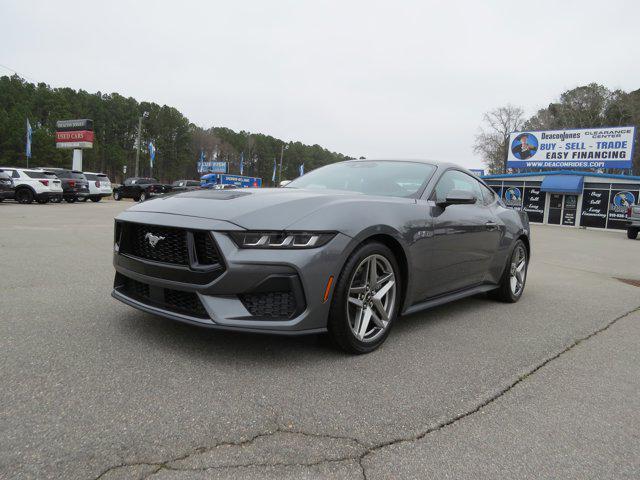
column 96, row 199
column 632, row 233
column 24, row 196
column 514, row 277
column 366, row 299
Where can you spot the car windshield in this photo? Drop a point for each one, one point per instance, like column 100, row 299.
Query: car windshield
column 387, row 178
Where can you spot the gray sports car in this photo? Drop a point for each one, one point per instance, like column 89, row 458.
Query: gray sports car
column 346, row 248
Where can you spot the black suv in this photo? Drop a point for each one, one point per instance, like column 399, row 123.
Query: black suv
column 6, row 186
column 140, row 189
column 74, row 184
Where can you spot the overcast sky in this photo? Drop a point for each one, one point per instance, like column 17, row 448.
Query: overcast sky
column 408, row 79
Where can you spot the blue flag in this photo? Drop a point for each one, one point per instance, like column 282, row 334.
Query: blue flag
column 273, row 177
column 241, row 162
column 29, row 136
column 152, row 154
column 301, row 169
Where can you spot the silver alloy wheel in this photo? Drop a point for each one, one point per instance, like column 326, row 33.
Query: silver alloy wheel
column 371, row 298
column 518, row 270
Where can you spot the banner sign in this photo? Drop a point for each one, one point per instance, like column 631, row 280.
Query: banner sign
column 75, row 136
column 607, row 147
column 241, row 181
column 70, row 125
column 212, row 167
column 477, row 171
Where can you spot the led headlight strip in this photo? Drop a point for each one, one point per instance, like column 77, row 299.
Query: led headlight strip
column 281, row 239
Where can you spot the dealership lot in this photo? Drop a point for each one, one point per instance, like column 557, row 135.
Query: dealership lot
column 547, row 387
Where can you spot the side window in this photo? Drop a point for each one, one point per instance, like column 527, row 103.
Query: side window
column 456, row 180
column 488, row 195
column 15, row 174
column 128, row 182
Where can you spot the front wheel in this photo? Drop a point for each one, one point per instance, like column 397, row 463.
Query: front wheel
column 366, row 299
column 514, row 277
column 96, row 199
column 143, row 197
column 632, row 233
column 116, row 196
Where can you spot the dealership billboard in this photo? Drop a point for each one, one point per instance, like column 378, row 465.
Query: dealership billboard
column 76, row 134
column 606, row 147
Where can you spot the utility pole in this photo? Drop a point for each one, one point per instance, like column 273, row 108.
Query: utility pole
column 144, row 115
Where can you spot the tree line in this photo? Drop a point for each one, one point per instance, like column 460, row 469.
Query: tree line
column 178, row 142
column 588, row 106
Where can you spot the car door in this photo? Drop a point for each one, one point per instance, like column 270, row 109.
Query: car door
column 465, row 237
column 127, row 188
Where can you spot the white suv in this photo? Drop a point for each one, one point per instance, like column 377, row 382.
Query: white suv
column 99, row 186
column 34, row 184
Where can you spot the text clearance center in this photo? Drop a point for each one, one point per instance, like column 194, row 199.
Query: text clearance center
column 558, row 195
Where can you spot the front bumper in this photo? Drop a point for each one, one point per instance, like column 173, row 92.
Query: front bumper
column 246, row 271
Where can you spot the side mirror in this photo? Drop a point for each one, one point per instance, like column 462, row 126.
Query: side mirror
column 458, row 197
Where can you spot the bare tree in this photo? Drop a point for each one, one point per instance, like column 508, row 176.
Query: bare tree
column 492, row 141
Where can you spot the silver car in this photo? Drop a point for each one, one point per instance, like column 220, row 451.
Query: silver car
column 345, row 249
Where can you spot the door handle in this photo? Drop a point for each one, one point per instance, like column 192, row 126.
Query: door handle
column 491, row 226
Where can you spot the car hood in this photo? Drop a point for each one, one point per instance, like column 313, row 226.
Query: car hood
column 255, row 209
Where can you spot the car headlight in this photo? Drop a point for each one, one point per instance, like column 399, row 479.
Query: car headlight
column 288, row 240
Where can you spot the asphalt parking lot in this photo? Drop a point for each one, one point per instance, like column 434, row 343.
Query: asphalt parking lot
column 545, row 388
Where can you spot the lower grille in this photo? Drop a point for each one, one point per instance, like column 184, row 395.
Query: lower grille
column 270, row 304
column 176, row 301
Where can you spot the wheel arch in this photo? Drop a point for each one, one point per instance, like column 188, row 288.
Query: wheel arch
column 399, row 252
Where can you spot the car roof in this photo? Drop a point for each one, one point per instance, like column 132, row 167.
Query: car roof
column 96, row 173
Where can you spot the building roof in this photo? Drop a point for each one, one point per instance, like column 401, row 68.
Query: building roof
column 634, row 178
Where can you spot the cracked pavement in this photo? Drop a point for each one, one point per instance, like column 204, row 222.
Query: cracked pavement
column 545, row 388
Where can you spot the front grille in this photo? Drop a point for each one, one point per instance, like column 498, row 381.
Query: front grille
column 270, row 304
column 177, row 301
column 187, row 302
column 170, row 243
column 206, row 251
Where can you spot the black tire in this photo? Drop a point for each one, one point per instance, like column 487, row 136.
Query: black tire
column 57, row 199
column 1, row 199
column 116, row 196
column 70, row 199
column 82, row 199
column 505, row 293
column 96, row 199
column 632, row 233
column 42, row 201
column 338, row 323
column 24, row 196
column 142, row 197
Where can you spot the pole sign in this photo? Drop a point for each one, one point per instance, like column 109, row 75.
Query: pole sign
column 606, row 147
column 212, row 167
column 74, row 133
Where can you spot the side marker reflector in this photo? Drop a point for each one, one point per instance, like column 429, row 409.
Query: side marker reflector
column 327, row 290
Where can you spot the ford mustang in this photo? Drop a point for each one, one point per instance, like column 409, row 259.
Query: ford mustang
column 345, row 249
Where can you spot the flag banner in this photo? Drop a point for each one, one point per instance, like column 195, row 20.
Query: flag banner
column 273, row 177
column 29, row 137
column 241, row 162
column 152, row 154
column 301, row 169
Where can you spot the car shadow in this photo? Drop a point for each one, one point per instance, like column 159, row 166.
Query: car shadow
column 242, row 347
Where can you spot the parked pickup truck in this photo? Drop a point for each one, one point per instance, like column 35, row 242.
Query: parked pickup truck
column 633, row 221
column 140, row 189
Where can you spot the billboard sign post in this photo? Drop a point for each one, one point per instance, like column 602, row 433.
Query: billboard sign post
column 606, row 147
column 76, row 134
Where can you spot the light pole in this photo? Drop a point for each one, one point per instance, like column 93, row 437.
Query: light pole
column 144, row 115
column 284, row 147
